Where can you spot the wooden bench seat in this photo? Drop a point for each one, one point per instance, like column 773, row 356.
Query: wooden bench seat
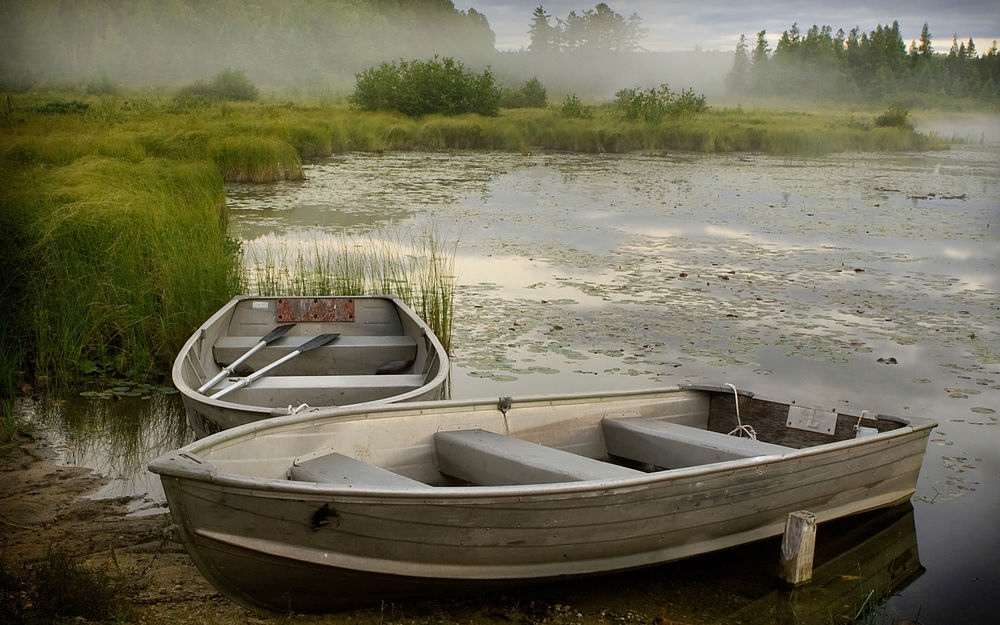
column 346, row 354
column 343, row 470
column 489, row 459
column 672, row 445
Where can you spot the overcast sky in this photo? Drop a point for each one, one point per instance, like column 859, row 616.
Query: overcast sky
column 717, row 25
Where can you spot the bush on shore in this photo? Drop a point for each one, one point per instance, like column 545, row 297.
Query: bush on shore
column 417, row 88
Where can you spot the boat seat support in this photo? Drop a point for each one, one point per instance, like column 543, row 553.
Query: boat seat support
column 672, row 445
column 490, row 459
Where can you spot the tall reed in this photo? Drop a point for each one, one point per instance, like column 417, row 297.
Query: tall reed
column 124, row 259
column 420, row 271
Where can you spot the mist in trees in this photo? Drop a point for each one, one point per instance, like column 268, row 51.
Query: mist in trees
column 596, row 52
column 280, row 43
column 862, row 65
column 319, row 46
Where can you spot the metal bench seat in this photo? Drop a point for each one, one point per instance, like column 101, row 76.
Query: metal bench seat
column 672, row 445
column 346, row 354
column 490, row 459
column 336, row 468
column 320, row 390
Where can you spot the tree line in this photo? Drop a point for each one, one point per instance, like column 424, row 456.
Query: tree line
column 858, row 65
column 599, row 30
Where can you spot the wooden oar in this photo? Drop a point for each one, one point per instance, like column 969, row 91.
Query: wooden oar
column 267, row 339
column 311, row 344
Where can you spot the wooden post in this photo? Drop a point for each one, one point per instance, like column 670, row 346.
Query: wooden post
column 797, row 547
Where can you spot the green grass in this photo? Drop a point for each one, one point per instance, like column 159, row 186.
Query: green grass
column 125, row 258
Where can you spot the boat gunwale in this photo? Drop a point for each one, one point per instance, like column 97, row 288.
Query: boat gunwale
column 266, row 412
column 185, row 463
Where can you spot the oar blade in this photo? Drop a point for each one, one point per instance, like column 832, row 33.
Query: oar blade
column 276, row 333
column 317, row 341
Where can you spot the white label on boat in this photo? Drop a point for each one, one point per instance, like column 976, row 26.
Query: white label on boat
column 261, row 305
column 822, row 421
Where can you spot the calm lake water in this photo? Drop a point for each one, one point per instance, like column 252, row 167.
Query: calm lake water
column 861, row 280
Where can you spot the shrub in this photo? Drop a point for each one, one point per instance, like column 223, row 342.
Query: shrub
column 653, row 105
column 529, row 95
column 60, row 107
column 896, row 116
column 573, row 108
column 229, row 84
column 417, row 88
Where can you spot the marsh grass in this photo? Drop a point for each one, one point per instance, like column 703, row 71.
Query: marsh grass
column 419, row 271
column 256, row 159
column 124, row 259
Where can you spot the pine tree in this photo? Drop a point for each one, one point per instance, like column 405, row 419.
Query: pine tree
column 759, row 63
column 925, row 49
column 543, row 39
column 738, row 78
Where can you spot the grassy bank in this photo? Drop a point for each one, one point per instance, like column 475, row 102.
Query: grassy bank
column 112, row 208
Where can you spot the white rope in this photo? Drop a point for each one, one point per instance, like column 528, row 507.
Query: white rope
column 857, row 426
column 740, row 428
column 297, row 409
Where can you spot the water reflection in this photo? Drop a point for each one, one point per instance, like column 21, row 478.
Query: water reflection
column 116, row 438
column 860, row 562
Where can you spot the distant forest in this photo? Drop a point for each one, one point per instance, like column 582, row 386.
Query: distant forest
column 318, row 46
column 858, row 65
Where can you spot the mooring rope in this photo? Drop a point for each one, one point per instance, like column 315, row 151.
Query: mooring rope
column 857, row 426
column 740, row 428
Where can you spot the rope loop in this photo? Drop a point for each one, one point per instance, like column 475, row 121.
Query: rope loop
column 740, row 429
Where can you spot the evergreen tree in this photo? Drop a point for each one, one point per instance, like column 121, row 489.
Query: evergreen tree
column 759, row 63
column 738, row 79
column 925, row 49
column 544, row 37
column 602, row 30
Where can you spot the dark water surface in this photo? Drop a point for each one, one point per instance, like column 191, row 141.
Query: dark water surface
column 861, row 280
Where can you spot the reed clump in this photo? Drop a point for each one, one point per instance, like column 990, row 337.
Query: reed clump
column 112, row 263
column 256, row 159
column 419, row 270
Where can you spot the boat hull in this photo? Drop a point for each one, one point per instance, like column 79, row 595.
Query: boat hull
column 371, row 331
column 306, row 539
